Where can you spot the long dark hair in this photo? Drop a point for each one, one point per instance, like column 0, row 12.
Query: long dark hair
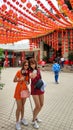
column 22, row 69
column 24, row 62
column 32, row 61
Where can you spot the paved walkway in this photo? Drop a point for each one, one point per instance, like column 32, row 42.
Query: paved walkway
column 57, row 112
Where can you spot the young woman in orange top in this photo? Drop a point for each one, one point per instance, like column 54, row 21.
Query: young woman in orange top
column 22, row 78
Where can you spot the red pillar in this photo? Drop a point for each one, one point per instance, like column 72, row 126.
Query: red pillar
column 22, row 56
column 38, row 55
column 13, row 59
column 6, row 58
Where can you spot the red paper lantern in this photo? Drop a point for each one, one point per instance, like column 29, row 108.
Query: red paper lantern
column 71, row 1
column 15, row 15
column 20, row 18
column 8, row 3
column 61, row 2
column 12, row 34
column 1, row 31
column 10, row 12
column 34, row 8
column 1, row 21
column 17, row 3
column 13, row 0
column 66, row 50
column 4, row 32
column 64, row 7
column 29, row 5
column 23, row 1
column 4, row 0
column 9, row 25
column 8, row 33
column 20, row 5
column 38, row 1
column 5, row 23
column 24, row 8
column 4, row 7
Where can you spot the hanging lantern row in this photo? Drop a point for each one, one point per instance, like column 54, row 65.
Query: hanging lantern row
column 71, row 39
column 71, row 2
column 8, row 3
column 52, row 15
column 66, row 41
column 51, row 24
column 23, row 14
column 49, row 13
column 6, row 24
column 28, row 26
column 58, row 12
column 38, row 23
column 53, row 40
column 65, row 9
column 29, row 5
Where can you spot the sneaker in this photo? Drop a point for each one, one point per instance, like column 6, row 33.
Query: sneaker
column 18, row 127
column 35, row 124
column 38, row 120
column 57, row 82
column 24, row 122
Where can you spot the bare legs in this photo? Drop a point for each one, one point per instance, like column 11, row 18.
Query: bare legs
column 20, row 109
column 38, row 100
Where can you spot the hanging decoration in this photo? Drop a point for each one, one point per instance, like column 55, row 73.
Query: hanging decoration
column 22, row 56
column 71, row 45
column 29, row 5
column 23, row 1
column 21, row 19
column 62, row 34
column 57, row 41
column 66, row 41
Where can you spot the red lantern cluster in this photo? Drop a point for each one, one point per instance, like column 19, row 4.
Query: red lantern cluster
column 4, row 7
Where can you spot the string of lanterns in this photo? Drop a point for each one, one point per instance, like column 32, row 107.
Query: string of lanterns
column 22, row 20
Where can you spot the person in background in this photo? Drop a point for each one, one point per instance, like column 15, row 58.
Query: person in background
column 58, row 59
column 37, row 94
column 22, row 79
column 62, row 62
column 56, row 70
column 5, row 64
column 19, row 62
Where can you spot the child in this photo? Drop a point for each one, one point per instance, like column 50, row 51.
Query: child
column 56, row 70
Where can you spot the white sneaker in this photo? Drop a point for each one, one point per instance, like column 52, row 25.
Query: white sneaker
column 35, row 124
column 24, row 122
column 38, row 120
column 18, row 127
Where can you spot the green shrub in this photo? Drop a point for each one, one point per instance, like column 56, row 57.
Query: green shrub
column 45, row 58
column 70, row 56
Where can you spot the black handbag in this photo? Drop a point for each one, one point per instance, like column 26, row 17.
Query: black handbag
column 39, row 84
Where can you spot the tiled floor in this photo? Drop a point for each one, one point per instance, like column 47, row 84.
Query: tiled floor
column 57, row 112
